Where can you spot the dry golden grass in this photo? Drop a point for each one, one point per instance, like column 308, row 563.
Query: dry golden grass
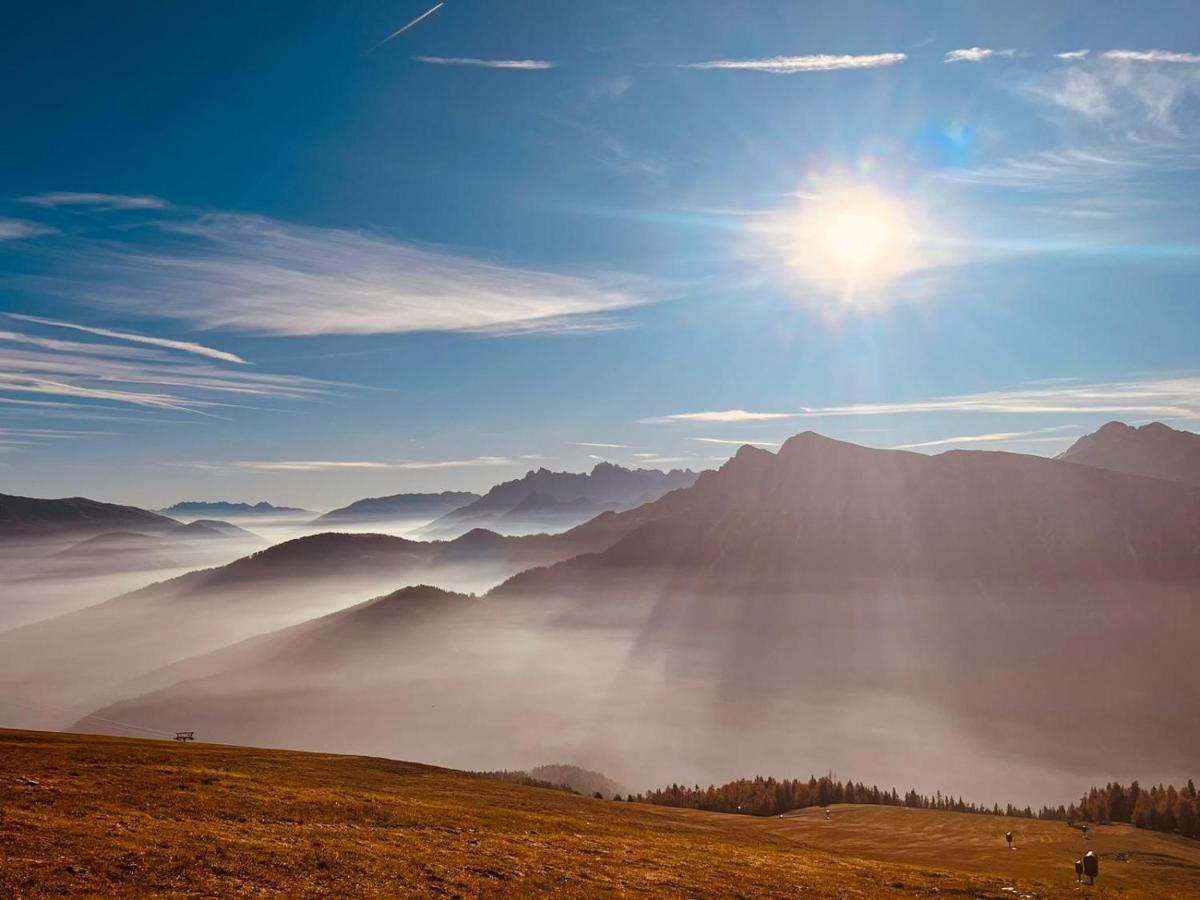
column 115, row 817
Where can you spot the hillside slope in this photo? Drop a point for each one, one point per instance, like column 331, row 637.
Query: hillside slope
column 36, row 518
column 116, row 817
column 397, row 506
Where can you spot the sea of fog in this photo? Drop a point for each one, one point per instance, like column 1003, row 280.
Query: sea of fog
column 1014, row 694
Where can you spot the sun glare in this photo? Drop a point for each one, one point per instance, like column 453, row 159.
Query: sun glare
column 852, row 241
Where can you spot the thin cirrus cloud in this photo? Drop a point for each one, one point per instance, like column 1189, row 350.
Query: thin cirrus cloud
column 975, row 54
column 792, row 65
column 16, row 439
column 1068, row 169
column 736, row 442
column 1169, row 398
column 19, row 229
column 1147, row 93
column 1038, row 435
column 720, row 416
column 1154, row 398
column 69, row 378
column 317, row 465
column 167, row 343
column 56, row 199
column 255, row 275
column 1073, row 54
column 1153, row 56
column 524, row 64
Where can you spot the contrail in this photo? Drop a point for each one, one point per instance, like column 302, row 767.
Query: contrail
column 398, row 32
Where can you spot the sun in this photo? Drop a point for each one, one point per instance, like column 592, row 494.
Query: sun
column 852, row 241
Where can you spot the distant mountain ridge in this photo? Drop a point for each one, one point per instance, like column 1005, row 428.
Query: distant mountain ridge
column 35, row 517
column 211, row 508
column 399, row 506
column 1154, row 450
column 825, row 508
column 563, row 499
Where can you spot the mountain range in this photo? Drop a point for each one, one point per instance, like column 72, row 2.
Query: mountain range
column 1154, row 450
column 207, row 508
column 963, row 580
column 1019, row 597
column 822, row 508
column 546, row 500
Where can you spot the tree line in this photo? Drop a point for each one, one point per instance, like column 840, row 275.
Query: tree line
column 769, row 797
column 1158, row 808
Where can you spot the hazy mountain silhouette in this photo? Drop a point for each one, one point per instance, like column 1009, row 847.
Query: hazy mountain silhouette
column 824, row 508
column 1154, row 450
column 37, row 518
column 224, row 508
column 212, row 528
column 560, row 499
column 347, row 644
column 398, row 506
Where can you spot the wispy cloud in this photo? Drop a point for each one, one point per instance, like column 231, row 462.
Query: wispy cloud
column 996, row 437
column 18, row 229
column 1140, row 91
column 314, row 465
column 736, row 442
column 1152, row 398
column 1170, row 397
column 791, row 65
column 723, row 416
column 95, row 201
column 1072, row 168
column 655, row 460
column 72, row 377
column 975, row 54
column 167, row 343
column 602, row 446
column 256, row 275
column 1153, row 56
column 1073, row 54
column 527, row 64
column 16, row 438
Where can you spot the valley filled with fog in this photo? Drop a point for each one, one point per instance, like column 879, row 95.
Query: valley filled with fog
column 1004, row 628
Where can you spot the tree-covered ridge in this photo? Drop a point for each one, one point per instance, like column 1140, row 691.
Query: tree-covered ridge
column 1158, row 808
column 769, row 796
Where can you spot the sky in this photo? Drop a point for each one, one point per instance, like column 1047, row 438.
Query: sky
column 280, row 251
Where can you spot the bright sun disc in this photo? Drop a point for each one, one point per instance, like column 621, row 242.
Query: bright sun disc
column 852, row 240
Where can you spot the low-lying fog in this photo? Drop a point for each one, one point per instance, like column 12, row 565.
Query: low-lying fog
column 47, row 578
column 1020, row 695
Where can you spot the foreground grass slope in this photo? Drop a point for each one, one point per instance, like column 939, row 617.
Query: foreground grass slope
column 112, row 817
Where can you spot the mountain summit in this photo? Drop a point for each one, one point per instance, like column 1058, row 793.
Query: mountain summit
column 1155, row 450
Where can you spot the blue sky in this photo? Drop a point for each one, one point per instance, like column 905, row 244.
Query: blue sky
column 244, row 255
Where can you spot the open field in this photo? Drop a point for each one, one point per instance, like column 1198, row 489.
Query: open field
column 117, row 817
